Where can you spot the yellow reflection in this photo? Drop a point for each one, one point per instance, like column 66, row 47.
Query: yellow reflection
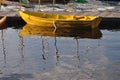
column 31, row 30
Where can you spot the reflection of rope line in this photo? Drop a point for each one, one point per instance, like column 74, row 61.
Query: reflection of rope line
column 3, row 45
column 78, row 56
column 21, row 51
column 21, row 46
column 56, row 52
column 43, row 48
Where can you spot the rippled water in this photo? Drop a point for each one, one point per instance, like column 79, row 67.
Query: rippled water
column 91, row 55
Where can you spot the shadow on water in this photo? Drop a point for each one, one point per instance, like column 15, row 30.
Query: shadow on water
column 14, row 22
column 110, row 24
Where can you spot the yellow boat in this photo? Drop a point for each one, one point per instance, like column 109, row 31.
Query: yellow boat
column 59, row 20
column 38, row 31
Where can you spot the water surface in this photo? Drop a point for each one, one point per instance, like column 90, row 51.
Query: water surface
column 39, row 54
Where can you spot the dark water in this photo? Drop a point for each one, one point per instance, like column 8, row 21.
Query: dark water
column 67, row 55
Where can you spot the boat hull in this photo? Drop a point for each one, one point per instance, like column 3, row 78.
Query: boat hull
column 39, row 19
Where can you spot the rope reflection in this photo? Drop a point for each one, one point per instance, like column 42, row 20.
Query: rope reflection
column 3, row 45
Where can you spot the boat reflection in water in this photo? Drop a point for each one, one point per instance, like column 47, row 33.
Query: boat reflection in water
column 42, row 31
column 31, row 30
